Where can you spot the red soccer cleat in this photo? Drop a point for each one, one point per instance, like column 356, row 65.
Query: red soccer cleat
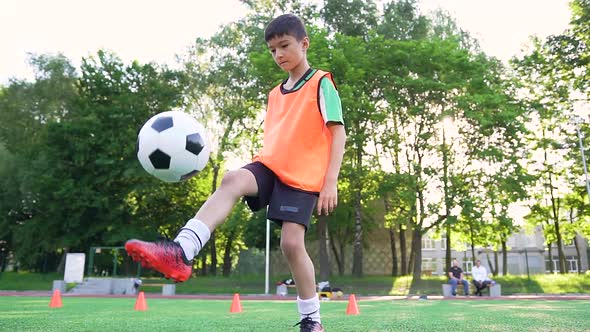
column 164, row 256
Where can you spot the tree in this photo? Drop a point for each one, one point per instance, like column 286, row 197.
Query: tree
column 548, row 96
column 27, row 110
column 339, row 14
column 401, row 20
column 83, row 154
column 554, row 74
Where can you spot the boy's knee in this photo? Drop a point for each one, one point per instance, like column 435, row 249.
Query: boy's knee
column 230, row 178
column 240, row 181
column 290, row 246
column 234, row 181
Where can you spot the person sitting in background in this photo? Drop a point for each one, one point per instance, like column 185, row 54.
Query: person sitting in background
column 456, row 275
column 480, row 278
column 136, row 284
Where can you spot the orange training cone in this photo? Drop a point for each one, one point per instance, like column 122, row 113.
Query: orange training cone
column 55, row 299
column 236, row 306
column 352, row 308
column 140, row 304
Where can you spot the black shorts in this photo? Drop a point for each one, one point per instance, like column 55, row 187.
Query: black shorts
column 285, row 203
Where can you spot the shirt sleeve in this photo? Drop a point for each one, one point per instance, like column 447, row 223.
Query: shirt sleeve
column 330, row 105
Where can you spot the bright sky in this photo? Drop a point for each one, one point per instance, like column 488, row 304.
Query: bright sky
column 151, row 30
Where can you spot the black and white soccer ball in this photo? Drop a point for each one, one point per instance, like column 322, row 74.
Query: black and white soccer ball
column 173, row 146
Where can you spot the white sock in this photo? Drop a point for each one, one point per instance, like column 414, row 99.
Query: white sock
column 309, row 308
column 192, row 237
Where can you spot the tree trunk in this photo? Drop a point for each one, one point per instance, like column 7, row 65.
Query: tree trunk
column 342, row 258
column 417, row 234
column 411, row 256
column 555, row 209
column 416, row 257
column 492, row 269
column 204, row 265
column 357, row 265
column 402, row 241
column 504, row 258
column 560, row 253
column 226, row 268
column 446, row 198
column 448, row 257
column 392, row 244
column 213, row 247
column 394, row 270
column 550, row 252
column 339, row 261
column 213, row 253
column 578, row 253
column 472, row 246
column 357, row 258
column 496, row 262
column 3, row 260
column 325, row 267
column 403, row 248
column 575, row 239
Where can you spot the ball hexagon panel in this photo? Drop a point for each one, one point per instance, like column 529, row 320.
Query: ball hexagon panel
column 163, row 123
column 195, row 143
column 160, row 160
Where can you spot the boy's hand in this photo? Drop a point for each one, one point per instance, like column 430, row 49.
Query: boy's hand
column 328, row 198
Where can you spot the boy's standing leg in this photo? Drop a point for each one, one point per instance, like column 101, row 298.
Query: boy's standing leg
column 173, row 258
column 301, row 266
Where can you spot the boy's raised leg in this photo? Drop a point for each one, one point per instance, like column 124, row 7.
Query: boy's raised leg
column 173, row 258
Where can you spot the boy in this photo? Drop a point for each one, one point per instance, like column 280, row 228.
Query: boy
column 296, row 171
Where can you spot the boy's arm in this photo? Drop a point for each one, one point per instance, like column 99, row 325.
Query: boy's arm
column 329, row 194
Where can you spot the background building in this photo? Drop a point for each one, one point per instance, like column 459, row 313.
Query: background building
column 523, row 250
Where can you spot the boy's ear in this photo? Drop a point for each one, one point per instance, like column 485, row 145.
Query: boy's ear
column 305, row 43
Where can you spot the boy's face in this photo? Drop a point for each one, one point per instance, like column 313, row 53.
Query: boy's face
column 287, row 52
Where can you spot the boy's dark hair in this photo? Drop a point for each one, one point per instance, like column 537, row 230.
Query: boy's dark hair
column 287, row 24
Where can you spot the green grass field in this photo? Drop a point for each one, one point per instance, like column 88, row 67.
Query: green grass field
column 118, row 314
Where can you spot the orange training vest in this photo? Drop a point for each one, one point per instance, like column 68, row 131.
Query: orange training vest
column 297, row 142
